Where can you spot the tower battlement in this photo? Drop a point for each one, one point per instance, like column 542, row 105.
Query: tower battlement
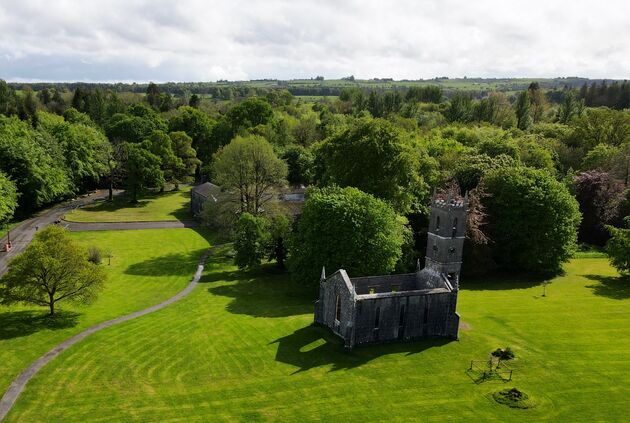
column 450, row 202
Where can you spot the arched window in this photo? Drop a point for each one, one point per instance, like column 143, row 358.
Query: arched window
column 437, row 224
column 454, row 228
column 338, row 308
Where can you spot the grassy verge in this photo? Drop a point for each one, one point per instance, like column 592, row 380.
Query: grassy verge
column 242, row 348
column 172, row 205
column 147, row 267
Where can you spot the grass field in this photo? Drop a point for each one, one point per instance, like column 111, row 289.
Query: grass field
column 147, row 267
column 172, row 205
column 242, row 348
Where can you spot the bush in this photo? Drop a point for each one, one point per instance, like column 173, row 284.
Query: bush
column 503, row 354
column 251, row 240
column 618, row 248
column 95, row 255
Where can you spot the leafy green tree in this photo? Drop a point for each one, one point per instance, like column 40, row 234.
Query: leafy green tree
column 279, row 232
column 199, row 127
column 194, row 101
column 248, row 114
column 28, row 109
column 162, row 146
column 34, row 161
column 249, row 167
column 135, row 125
column 345, row 228
column 377, row 158
column 154, row 96
column 618, row 247
column 8, row 198
column 533, row 219
column 250, row 240
column 570, row 108
column 142, row 169
column 523, row 111
column 537, row 102
column 51, row 269
column 300, row 162
column 8, row 100
column 188, row 162
column 460, row 108
column 534, row 153
column 472, row 168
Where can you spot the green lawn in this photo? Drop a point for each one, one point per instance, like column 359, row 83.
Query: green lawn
column 242, row 348
column 147, row 267
column 172, row 205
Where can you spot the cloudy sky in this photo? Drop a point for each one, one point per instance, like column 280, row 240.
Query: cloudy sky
column 197, row 40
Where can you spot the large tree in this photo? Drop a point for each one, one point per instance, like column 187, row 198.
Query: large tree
column 51, row 269
column 618, row 247
column 199, row 127
column 345, row 228
column 533, row 219
column 249, row 167
column 377, row 158
column 142, row 169
column 8, row 198
column 188, row 161
column 600, row 197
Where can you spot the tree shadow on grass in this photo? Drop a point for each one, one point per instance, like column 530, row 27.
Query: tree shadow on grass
column 615, row 287
column 502, row 281
column 24, row 323
column 173, row 264
column 182, row 213
column 314, row 346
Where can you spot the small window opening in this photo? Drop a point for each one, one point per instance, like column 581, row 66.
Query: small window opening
column 338, row 308
column 372, row 290
column 377, row 317
column 454, row 228
column 437, row 224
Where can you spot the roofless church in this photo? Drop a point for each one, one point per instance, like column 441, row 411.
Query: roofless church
column 377, row 309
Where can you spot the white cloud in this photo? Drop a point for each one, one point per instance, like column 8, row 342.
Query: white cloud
column 189, row 40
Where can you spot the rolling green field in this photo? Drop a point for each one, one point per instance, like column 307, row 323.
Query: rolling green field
column 241, row 348
column 147, row 267
column 172, row 205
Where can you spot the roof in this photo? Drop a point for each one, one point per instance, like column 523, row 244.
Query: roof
column 206, row 189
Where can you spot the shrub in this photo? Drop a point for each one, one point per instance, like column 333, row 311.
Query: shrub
column 503, row 354
column 95, row 255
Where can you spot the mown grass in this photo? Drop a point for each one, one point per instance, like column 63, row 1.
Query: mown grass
column 172, row 205
column 242, row 348
column 147, row 267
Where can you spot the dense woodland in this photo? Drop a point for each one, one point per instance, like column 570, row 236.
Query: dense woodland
column 546, row 168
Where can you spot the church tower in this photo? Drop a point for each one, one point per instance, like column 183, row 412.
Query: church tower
column 445, row 241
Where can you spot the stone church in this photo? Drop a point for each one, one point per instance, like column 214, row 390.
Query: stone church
column 377, row 309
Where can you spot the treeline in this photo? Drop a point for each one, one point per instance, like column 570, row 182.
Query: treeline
column 396, row 146
column 615, row 95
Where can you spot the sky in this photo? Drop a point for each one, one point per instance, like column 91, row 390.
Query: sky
column 197, row 40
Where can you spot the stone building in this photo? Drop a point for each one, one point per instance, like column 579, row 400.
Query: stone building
column 200, row 194
column 376, row 309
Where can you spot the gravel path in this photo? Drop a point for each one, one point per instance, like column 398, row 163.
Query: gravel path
column 11, row 395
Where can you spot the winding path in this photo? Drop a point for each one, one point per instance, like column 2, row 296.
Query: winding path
column 14, row 390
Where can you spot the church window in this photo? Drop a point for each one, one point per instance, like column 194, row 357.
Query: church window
column 454, row 228
column 401, row 320
column 377, row 318
column 338, row 308
column 437, row 224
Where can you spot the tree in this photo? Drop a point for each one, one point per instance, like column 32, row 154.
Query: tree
column 248, row 114
column 51, row 269
column 600, row 197
column 533, row 219
column 188, row 161
column 345, row 228
column 522, row 109
column 142, row 169
column 29, row 108
column 377, row 158
column 460, row 109
column 279, row 231
column 537, row 102
column 194, row 101
column 154, row 96
column 199, row 127
column 300, row 162
column 8, row 198
column 250, row 240
column 249, row 166
column 162, row 146
column 618, row 247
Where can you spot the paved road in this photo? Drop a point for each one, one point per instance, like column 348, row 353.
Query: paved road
column 115, row 226
column 23, row 234
column 11, row 395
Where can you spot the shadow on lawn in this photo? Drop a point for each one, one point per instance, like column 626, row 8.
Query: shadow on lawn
column 183, row 213
column 172, row 264
column 615, row 287
column 314, row 346
column 23, row 323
